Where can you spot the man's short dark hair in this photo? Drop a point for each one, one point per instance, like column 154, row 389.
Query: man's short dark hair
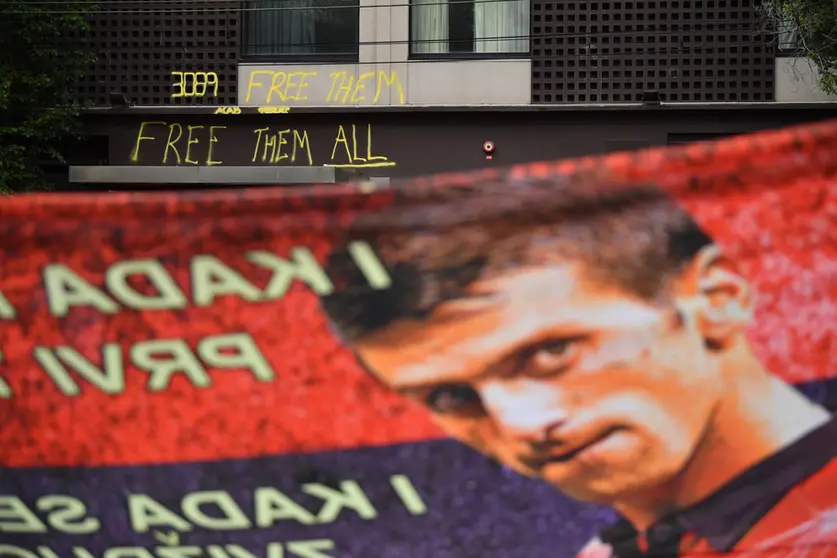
column 435, row 242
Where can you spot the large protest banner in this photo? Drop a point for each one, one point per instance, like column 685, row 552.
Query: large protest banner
column 620, row 356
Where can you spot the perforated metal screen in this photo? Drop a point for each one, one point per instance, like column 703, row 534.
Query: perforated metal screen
column 688, row 50
column 140, row 45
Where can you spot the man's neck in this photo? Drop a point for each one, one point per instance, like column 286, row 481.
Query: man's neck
column 757, row 416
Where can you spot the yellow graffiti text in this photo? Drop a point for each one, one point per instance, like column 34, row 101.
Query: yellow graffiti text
column 228, row 110
column 274, row 110
column 344, row 89
column 280, row 86
column 173, row 143
column 179, row 142
column 275, row 146
column 194, row 84
column 347, row 142
column 268, row 87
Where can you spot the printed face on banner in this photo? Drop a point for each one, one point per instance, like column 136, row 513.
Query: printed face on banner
column 599, row 345
column 562, row 376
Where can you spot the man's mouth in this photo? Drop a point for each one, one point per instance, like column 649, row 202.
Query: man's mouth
column 562, row 454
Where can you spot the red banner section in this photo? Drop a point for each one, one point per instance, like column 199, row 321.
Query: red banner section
column 623, row 354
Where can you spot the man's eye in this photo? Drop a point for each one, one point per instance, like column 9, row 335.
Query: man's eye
column 453, row 399
column 553, row 355
column 555, row 348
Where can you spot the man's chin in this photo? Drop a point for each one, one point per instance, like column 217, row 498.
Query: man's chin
column 597, row 485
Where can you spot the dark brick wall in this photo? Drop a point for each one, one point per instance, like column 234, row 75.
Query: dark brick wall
column 611, row 51
column 140, row 44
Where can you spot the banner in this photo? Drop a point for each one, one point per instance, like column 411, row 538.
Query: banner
column 624, row 356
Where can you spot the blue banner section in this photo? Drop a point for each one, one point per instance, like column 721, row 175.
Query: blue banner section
column 433, row 499
column 436, row 499
column 822, row 392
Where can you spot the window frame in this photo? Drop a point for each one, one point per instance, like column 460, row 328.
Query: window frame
column 295, row 58
column 459, row 55
column 784, row 52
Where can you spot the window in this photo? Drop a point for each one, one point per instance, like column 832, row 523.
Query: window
column 788, row 35
column 308, row 29
column 499, row 27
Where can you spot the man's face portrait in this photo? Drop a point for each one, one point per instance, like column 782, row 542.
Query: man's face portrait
column 588, row 344
column 559, row 373
column 594, row 339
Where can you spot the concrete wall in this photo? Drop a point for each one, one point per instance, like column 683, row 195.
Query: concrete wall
column 796, row 81
column 409, row 143
column 384, row 75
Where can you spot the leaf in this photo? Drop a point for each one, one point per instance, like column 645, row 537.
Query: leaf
column 39, row 111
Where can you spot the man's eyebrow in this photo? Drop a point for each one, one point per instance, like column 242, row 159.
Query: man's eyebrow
column 465, row 306
column 430, row 383
column 404, row 387
column 497, row 361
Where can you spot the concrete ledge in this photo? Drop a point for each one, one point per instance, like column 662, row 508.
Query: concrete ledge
column 146, row 111
column 208, row 175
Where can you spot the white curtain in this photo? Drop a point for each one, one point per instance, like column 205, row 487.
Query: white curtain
column 280, row 27
column 501, row 25
column 430, row 27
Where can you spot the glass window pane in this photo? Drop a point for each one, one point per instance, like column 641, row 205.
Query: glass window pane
column 430, row 26
column 481, row 26
column 301, row 27
column 788, row 35
column 461, row 26
column 501, row 26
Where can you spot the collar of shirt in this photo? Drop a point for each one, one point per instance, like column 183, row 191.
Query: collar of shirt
column 727, row 515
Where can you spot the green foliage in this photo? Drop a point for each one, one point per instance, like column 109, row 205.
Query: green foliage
column 814, row 27
column 41, row 60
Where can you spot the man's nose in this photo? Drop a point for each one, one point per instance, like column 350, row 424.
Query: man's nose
column 525, row 409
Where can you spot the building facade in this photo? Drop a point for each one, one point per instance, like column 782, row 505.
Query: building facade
column 391, row 88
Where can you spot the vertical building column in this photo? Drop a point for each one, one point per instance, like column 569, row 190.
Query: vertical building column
column 399, row 47
column 399, row 25
column 384, row 31
column 368, row 34
column 384, row 35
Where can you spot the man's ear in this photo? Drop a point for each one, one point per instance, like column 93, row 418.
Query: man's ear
column 721, row 300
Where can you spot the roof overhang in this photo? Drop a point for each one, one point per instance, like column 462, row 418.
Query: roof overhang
column 220, row 175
